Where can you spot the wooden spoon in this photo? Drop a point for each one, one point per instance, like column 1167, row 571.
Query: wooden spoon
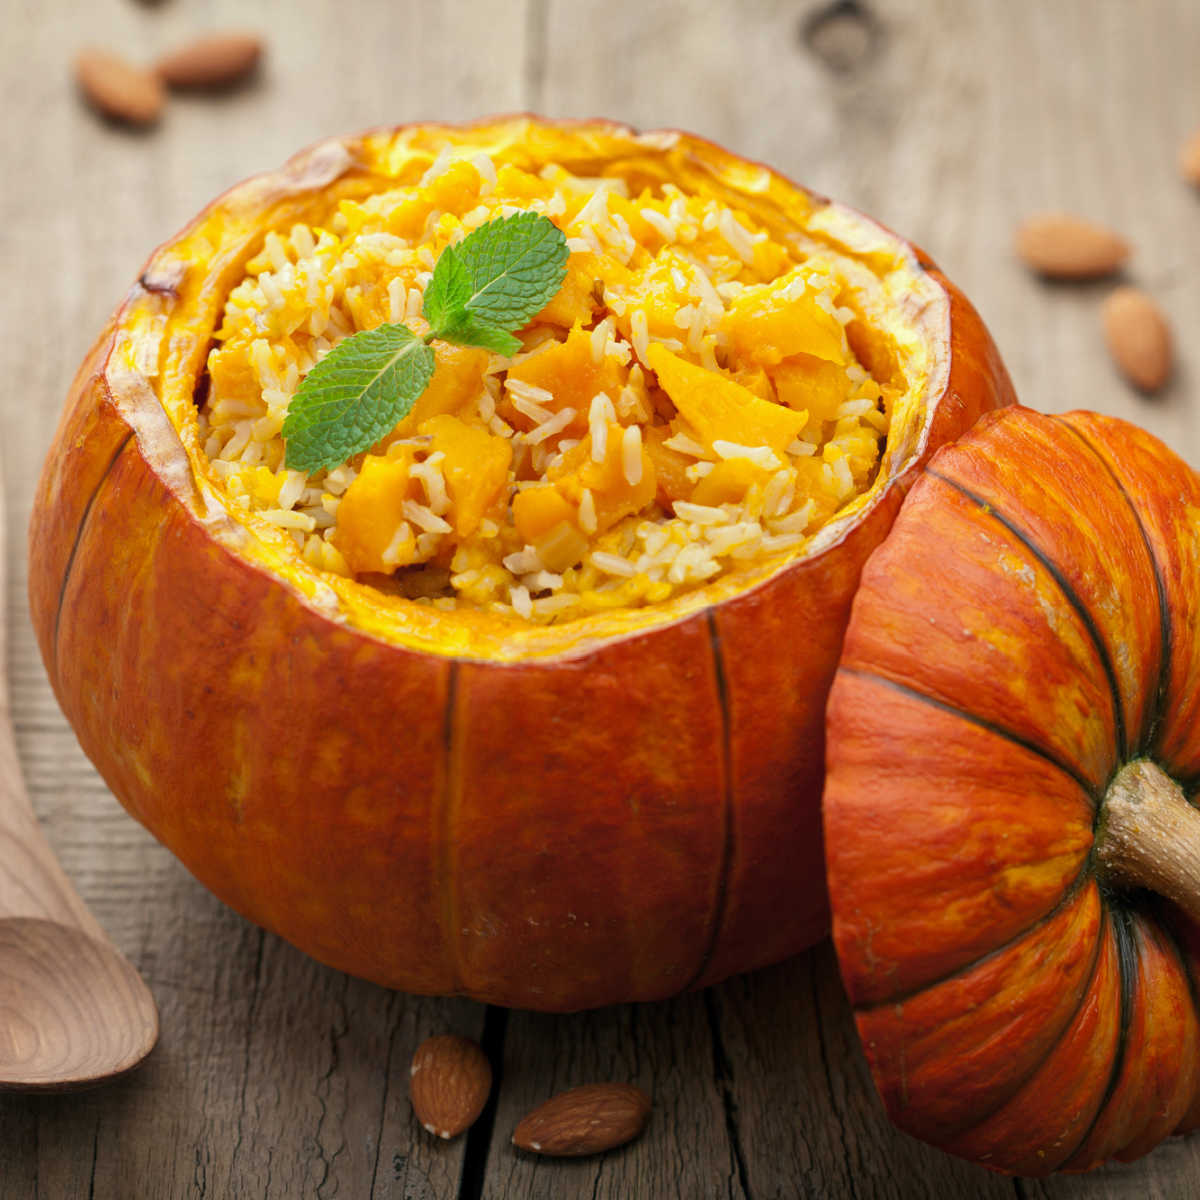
column 73, row 1011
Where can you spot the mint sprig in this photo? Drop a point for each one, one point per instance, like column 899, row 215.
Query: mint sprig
column 354, row 395
column 482, row 291
column 498, row 277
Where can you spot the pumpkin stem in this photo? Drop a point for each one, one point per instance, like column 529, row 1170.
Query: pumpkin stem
column 1148, row 836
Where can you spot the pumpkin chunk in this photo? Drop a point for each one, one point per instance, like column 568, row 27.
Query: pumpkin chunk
column 773, row 323
column 372, row 534
column 613, row 496
column 729, row 481
column 475, row 468
column 653, row 291
column 455, row 189
column 457, row 380
column 720, row 409
column 670, row 467
column 577, row 299
column 561, row 547
column 805, row 382
column 537, row 510
column 570, row 373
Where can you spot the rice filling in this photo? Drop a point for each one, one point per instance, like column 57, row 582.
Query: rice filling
column 690, row 402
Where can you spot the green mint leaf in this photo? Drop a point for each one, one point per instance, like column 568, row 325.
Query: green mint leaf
column 466, row 331
column 514, row 265
column 447, row 293
column 354, row 395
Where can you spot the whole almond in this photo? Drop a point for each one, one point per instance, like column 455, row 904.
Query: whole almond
column 211, row 62
column 1138, row 337
column 585, row 1120
column 1189, row 159
column 118, row 89
column 1062, row 246
column 448, row 1084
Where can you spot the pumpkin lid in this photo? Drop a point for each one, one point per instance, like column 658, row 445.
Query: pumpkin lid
column 1013, row 759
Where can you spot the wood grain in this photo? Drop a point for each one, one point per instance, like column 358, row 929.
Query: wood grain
column 277, row 1077
column 73, row 1011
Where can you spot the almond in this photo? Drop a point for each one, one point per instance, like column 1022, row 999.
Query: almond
column 1062, row 246
column 118, row 89
column 1138, row 337
column 585, row 1120
column 211, row 62
column 449, row 1082
column 1189, row 159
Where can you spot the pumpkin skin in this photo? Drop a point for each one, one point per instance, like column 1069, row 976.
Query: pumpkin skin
column 558, row 818
column 1027, row 629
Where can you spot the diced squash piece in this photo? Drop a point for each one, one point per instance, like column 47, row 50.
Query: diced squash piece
column 475, row 468
column 766, row 325
column 720, row 409
column 232, row 374
column 407, row 219
column 457, row 381
column 355, row 215
column 804, row 382
column 512, row 183
column 613, row 496
column 756, row 380
column 371, row 513
column 537, row 510
column 630, row 211
column 654, row 291
column 576, row 300
column 571, row 375
column 264, row 484
column 561, row 547
column 670, row 467
column 770, row 259
column 728, row 482
column 456, row 189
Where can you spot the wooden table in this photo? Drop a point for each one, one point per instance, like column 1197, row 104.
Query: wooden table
column 947, row 119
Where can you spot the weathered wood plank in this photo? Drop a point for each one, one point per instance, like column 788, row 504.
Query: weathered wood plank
column 807, row 1114
column 668, row 1050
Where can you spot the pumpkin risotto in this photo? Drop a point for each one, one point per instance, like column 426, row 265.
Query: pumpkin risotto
column 687, row 403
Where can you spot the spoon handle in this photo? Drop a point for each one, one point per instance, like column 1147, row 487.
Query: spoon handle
column 32, row 884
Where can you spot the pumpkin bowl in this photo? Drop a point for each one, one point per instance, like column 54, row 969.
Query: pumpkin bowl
column 1010, row 808
column 452, row 798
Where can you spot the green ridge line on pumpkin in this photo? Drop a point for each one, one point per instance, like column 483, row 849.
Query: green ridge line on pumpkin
column 447, row 814
column 721, row 899
column 1127, row 958
column 1157, row 710
column 1094, row 793
column 1073, row 891
column 1054, row 1045
column 83, row 521
column 989, row 509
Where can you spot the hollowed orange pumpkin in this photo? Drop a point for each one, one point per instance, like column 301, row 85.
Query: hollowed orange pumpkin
column 1014, row 760
column 613, row 808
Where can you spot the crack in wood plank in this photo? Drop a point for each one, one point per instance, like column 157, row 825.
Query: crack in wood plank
column 723, row 1075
